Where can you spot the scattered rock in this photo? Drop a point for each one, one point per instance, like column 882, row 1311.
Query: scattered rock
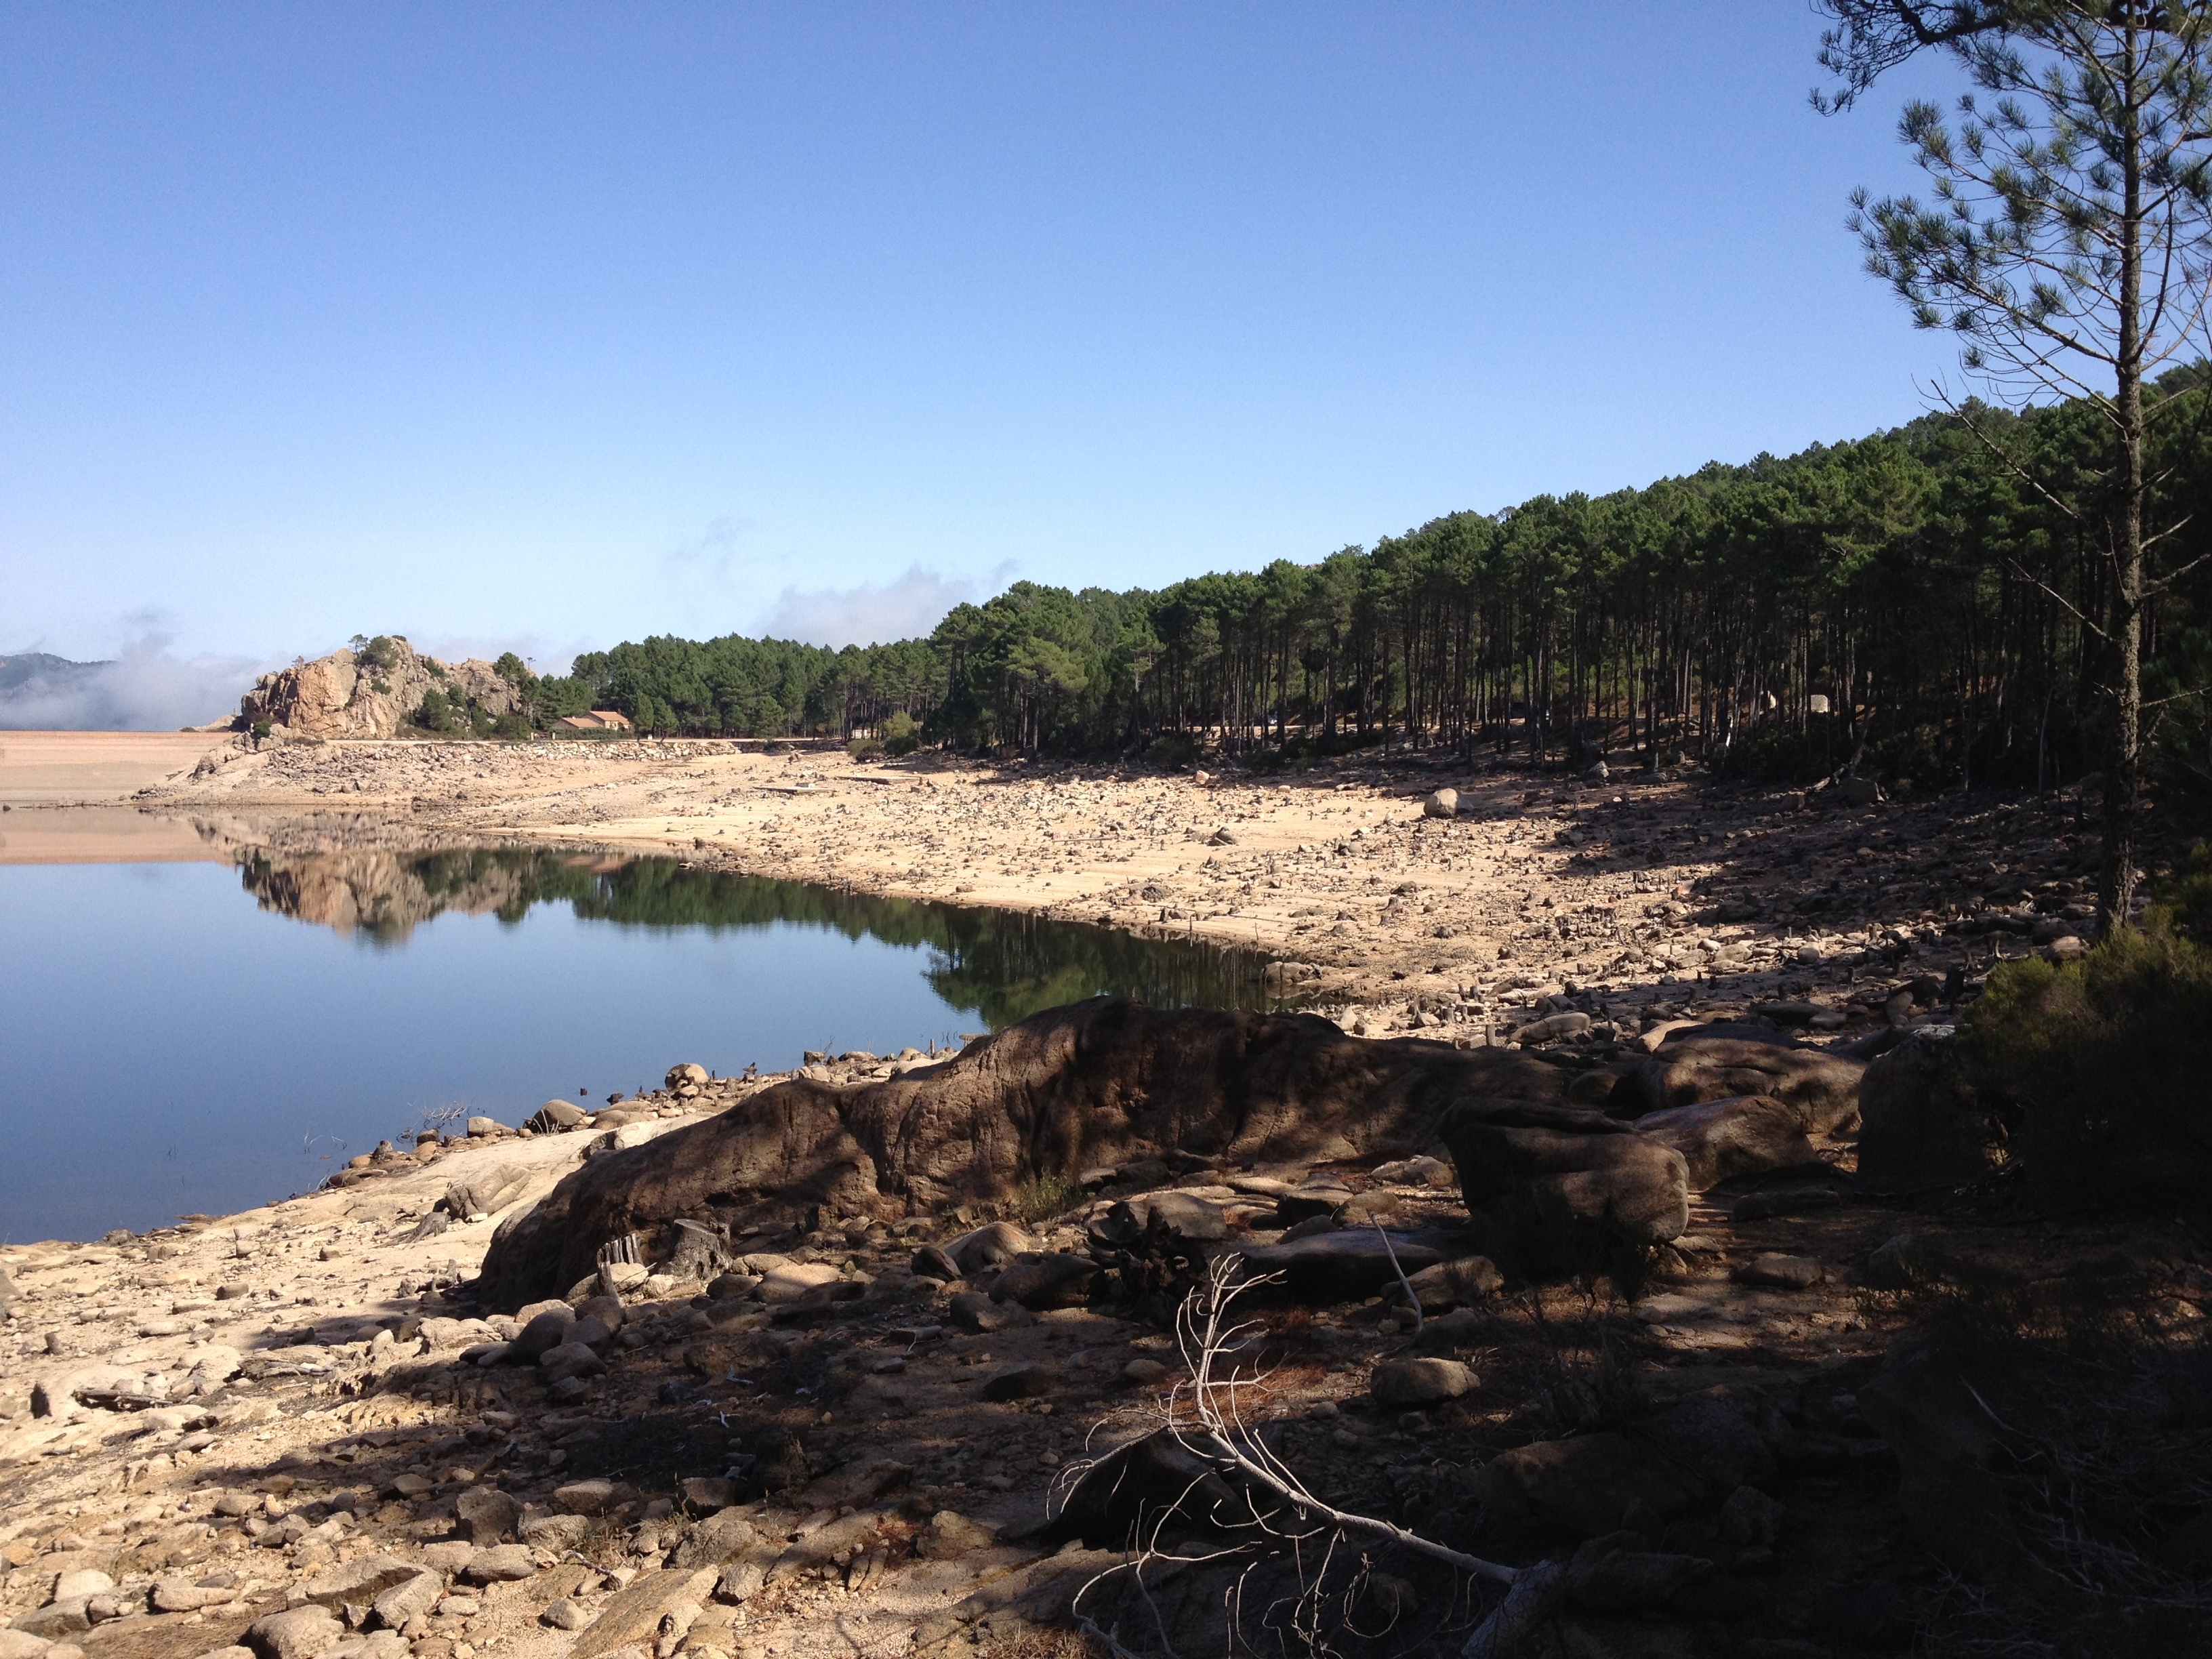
column 487, row 1515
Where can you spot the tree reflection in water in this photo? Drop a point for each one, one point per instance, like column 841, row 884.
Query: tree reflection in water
column 1005, row 964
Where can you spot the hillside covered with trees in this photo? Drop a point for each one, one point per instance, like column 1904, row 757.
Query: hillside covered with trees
column 1934, row 589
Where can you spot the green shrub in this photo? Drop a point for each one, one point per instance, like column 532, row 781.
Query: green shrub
column 1170, row 750
column 1047, row 1196
column 435, row 713
column 2108, row 1060
column 513, row 726
column 901, row 735
column 865, row 749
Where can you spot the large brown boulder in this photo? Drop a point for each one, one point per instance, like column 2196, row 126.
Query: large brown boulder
column 1563, row 1187
column 1823, row 1088
column 1922, row 1123
column 1719, row 1139
column 350, row 693
column 1103, row 1082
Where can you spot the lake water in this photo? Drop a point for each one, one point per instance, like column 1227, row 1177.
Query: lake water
column 205, row 1036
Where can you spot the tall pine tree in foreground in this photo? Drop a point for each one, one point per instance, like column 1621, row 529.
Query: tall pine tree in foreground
column 2067, row 246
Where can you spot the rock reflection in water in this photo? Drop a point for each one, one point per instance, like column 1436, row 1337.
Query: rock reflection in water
column 1005, row 964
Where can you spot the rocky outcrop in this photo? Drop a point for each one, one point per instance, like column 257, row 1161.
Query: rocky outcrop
column 1101, row 1082
column 368, row 693
column 1822, row 1088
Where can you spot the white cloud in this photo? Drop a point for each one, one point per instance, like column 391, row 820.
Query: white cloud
column 869, row 614
column 145, row 689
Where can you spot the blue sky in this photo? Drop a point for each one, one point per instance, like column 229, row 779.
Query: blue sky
column 549, row 325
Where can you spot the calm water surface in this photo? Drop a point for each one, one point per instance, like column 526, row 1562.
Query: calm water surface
column 206, row 1037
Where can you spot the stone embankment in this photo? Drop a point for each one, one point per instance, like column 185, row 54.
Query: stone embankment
column 831, row 1415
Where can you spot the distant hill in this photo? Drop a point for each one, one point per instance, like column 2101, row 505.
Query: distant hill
column 55, row 672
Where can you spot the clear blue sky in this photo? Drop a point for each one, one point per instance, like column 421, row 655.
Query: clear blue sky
column 552, row 325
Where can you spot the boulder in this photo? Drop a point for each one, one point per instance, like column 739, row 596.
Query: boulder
column 1822, row 1088
column 1187, row 1217
column 1777, row 1272
column 406, row 1601
column 1950, row 1455
column 1345, row 1265
column 988, row 1247
column 1922, row 1124
column 1689, row 1457
column 570, row 1359
column 971, row 1310
column 1423, row 1171
column 357, row 1584
column 555, row 1116
column 1419, row 1382
column 487, row 1515
column 1032, row 1382
column 499, row 1564
column 794, row 1279
column 1457, row 1283
column 929, row 1262
column 688, row 1077
column 593, row 1496
column 1563, row 1187
column 298, row 1633
column 1553, row 1028
column 1619, row 1572
column 348, row 693
column 1099, row 1083
column 947, row 1535
column 486, row 1128
column 543, row 1331
column 1441, row 804
column 1749, row 1134
column 1057, row 1281
column 634, row 1614
column 714, row 1541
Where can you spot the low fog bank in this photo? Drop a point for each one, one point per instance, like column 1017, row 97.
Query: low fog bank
column 145, row 689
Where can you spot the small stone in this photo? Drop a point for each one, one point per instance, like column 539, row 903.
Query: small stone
column 1441, row 804
column 565, row 1615
column 1146, row 1373
column 85, row 1582
column 411, row 1486
column 485, row 1128
column 570, row 1359
column 971, row 1310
